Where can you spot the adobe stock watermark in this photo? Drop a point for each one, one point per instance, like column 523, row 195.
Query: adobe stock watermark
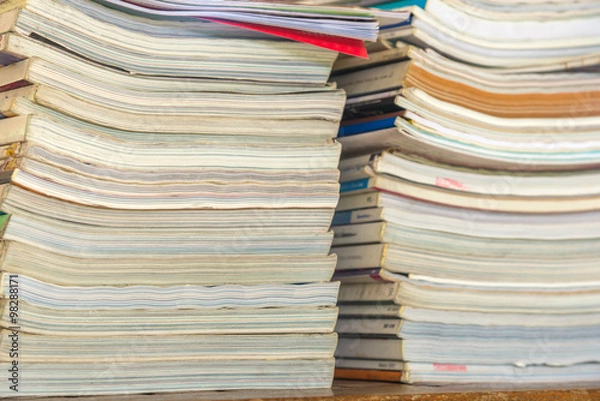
column 13, row 332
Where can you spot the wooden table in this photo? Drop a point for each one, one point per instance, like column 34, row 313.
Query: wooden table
column 370, row 391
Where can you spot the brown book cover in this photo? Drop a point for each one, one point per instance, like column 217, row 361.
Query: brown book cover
column 369, row 375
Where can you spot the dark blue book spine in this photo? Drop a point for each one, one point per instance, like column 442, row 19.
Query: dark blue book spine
column 368, row 126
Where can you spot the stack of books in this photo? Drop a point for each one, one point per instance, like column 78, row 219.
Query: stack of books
column 467, row 233
column 168, row 186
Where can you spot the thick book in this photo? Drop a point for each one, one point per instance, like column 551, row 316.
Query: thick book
column 48, row 379
column 429, row 172
column 127, row 297
column 90, row 322
column 408, row 329
column 467, row 200
column 455, row 318
column 472, row 350
column 442, row 373
column 473, row 298
column 427, row 215
column 207, row 270
column 163, row 348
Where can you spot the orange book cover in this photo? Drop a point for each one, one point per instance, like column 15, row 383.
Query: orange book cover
column 369, row 375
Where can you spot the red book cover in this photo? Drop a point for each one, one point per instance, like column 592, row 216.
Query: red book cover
column 353, row 47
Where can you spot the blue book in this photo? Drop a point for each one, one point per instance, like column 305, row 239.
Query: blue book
column 367, row 126
column 356, row 185
column 401, row 3
column 357, row 216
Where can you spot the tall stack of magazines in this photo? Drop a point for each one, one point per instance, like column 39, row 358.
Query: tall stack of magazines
column 169, row 179
column 468, row 230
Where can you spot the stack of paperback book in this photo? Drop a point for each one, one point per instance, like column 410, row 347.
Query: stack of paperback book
column 468, row 231
column 168, row 187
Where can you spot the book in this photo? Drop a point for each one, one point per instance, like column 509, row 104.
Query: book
column 368, row 364
column 86, row 378
column 367, row 215
column 371, row 105
column 499, row 203
column 368, row 374
column 205, row 270
column 425, row 294
column 376, row 79
column 48, row 295
column 85, row 322
column 362, row 200
column 453, row 318
column 359, row 126
column 103, row 349
column 347, row 64
column 428, row 172
column 429, row 216
column 440, row 373
column 473, row 350
column 408, row 329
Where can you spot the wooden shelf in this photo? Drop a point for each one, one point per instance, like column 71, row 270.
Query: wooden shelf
column 344, row 390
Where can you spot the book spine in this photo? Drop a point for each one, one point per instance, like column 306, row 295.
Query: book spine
column 358, row 201
column 358, row 173
column 7, row 55
column 388, row 327
column 361, row 276
column 15, row 75
column 368, row 375
column 364, row 233
column 9, row 13
column 371, row 364
column 9, row 97
column 357, row 185
column 368, row 292
column 348, row 64
column 368, row 126
column 359, row 257
column 370, row 142
column 376, row 310
column 372, row 80
column 358, row 216
column 13, row 130
column 370, row 348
